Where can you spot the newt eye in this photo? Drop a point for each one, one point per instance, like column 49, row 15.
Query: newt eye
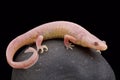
column 96, row 43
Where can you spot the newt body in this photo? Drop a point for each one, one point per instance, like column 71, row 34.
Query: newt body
column 59, row 29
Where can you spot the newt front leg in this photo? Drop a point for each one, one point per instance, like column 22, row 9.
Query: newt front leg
column 68, row 38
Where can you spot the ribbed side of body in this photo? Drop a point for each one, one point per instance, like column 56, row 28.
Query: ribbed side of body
column 58, row 30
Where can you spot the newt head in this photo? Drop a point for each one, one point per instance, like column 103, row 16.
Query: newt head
column 91, row 41
column 101, row 45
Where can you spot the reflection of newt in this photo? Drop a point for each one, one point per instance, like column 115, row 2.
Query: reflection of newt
column 59, row 29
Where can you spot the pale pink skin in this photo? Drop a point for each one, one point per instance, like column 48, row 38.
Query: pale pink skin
column 59, row 29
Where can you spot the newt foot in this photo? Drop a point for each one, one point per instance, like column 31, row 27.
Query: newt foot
column 98, row 51
column 70, row 46
column 42, row 48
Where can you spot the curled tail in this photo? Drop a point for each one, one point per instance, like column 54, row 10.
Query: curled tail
column 14, row 46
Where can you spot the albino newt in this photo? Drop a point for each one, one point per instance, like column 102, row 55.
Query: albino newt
column 58, row 29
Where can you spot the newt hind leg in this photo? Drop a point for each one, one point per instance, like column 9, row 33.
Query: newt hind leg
column 40, row 47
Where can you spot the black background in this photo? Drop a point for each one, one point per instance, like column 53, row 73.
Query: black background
column 100, row 18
